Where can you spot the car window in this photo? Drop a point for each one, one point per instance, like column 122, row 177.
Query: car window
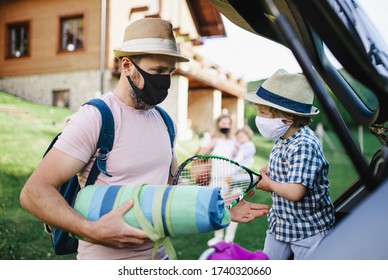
column 365, row 94
column 357, row 22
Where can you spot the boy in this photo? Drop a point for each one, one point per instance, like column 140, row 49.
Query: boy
column 302, row 212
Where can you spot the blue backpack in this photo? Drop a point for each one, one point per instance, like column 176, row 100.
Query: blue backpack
column 63, row 242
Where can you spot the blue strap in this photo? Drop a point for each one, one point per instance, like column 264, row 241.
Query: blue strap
column 283, row 101
column 169, row 123
column 105, row 140
column 170, row 128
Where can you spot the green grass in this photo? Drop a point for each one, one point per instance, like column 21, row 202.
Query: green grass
column 26, row 129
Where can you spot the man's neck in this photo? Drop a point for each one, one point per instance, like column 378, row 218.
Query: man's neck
column 122, row 92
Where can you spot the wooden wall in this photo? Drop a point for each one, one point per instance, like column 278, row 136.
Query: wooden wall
column 44, row 18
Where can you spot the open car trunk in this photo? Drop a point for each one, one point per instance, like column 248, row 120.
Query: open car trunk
column 309, row 29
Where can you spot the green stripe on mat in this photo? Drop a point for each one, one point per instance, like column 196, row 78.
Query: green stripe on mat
column 168, row 211
column 126, row 195
column 82, row 202
column 183, row 207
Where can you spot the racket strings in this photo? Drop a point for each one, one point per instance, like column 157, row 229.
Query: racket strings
column 231, row 178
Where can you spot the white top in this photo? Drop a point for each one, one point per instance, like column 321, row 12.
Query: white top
column 245, row 154
column 222, row 147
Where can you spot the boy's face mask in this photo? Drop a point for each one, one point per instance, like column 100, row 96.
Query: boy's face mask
column 155, row 88
column 271, row 128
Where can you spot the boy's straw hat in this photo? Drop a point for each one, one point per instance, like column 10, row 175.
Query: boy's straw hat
column 149, row 36
column 287, row 92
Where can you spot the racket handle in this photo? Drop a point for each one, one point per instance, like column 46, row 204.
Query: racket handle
column 237, row 200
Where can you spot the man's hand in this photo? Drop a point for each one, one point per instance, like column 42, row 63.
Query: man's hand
column 244, row 212
column 113, row 231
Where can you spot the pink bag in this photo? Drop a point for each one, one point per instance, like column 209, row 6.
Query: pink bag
column 231, row 251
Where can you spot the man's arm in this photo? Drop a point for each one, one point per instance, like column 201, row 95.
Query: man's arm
column 174, row 167
column 40, row 197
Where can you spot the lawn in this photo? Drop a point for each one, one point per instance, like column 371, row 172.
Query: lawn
column 26, row 129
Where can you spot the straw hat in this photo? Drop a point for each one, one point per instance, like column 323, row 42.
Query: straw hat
column 149, row 36
column 286, row 92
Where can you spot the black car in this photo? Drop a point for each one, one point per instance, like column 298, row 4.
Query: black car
column 311, row 30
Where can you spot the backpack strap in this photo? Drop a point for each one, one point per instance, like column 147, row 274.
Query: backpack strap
column 105, row 140
column 169, row 123
column 170, row 128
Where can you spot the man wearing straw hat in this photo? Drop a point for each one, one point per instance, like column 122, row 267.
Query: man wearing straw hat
column 141, row 150
column 302, row 212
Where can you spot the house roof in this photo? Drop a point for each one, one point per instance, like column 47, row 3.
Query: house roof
column 207, row 19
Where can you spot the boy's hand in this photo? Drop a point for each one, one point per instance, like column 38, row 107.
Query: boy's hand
column 264, row 169
column 265, row 181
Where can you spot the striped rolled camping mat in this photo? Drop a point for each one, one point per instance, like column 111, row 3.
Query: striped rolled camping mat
column 160, row 210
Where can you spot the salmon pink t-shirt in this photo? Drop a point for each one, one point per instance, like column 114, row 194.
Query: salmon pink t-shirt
column 141, row 154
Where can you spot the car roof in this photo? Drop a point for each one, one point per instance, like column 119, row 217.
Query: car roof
column 314, row 22
column 305, row 27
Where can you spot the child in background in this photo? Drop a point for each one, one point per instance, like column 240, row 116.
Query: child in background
column 245, row 149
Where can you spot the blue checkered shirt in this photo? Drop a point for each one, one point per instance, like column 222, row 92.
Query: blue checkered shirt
column 299, row 159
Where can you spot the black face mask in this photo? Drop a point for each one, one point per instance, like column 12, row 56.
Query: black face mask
column 155, row 87
column 224, row 130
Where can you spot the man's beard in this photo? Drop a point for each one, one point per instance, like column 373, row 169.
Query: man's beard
column 139, row 104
